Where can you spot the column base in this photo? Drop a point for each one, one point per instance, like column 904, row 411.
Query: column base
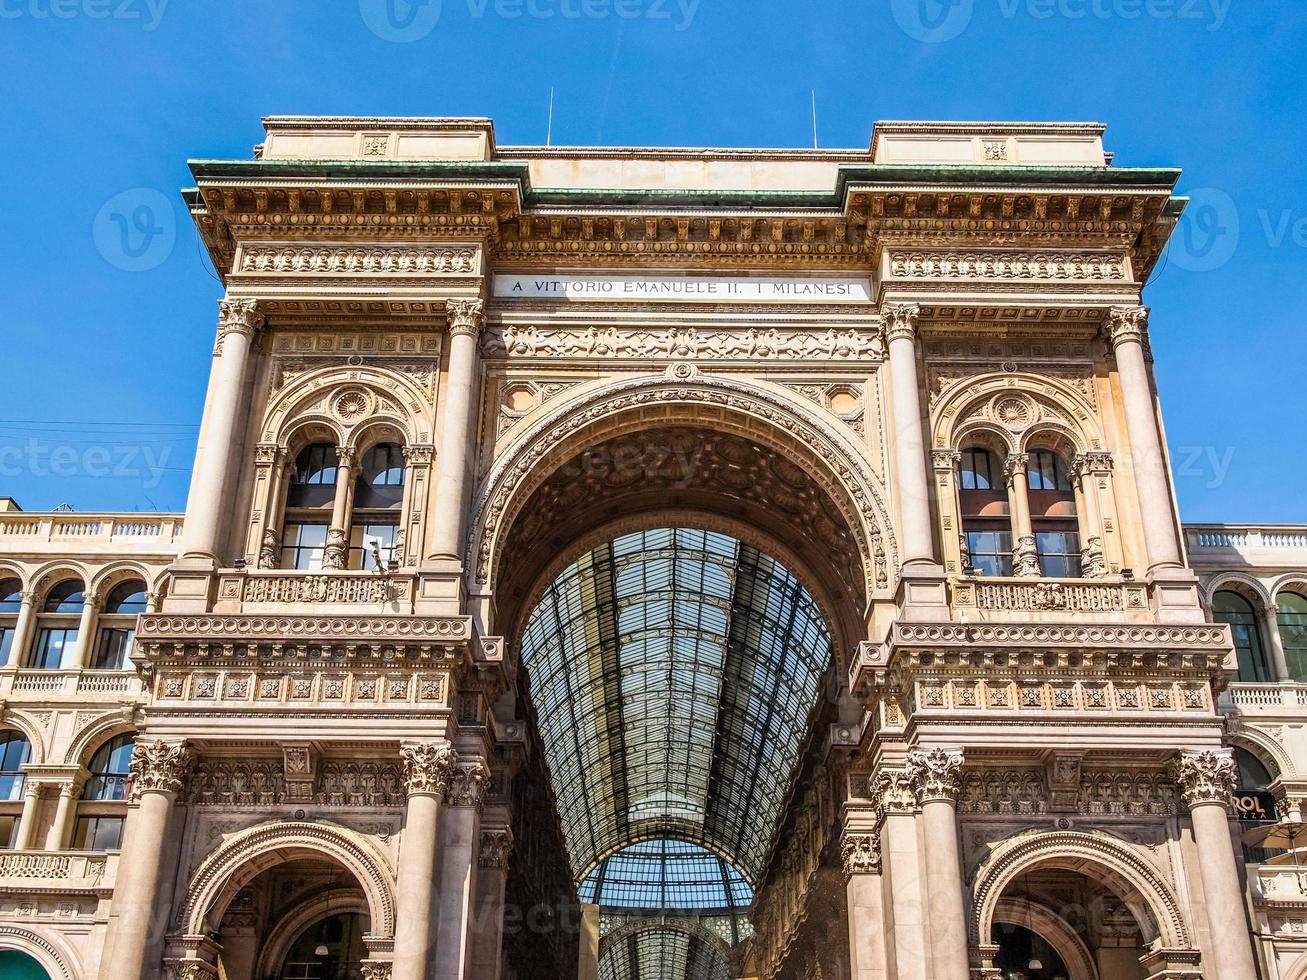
column 1175, row 595
column 922, row 594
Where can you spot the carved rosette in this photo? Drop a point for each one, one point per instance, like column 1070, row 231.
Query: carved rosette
column 240, row 316
column 467, row 783
column 1126, row 324
column 466, row 317
column 496, row 845
column 1025, row 557
column 860, row 854
column 160, row 767
column 426, row 767
column 1206, row 777
column 892, row 793
column 901, row 321
column 935, row 774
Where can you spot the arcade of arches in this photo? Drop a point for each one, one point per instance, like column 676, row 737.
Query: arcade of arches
column 767, row 577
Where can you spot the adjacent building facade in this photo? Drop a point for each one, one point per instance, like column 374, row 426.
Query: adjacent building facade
column 647, row 563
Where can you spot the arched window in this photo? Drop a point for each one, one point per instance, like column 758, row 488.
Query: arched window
column 1292, row 611
column 378, row 498
column 1236, row 611
column 982, row 496
column 1053, row 514
column 11, row 602
column 330, row 948
column 118, row 625
column 56, row 637
column 15, row 751
column 309, row 499
column 101, row 813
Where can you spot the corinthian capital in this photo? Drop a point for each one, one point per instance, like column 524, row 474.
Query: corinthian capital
column 860, row 854
column 1127, row 323
column 901, row 321
column 935, row 774
column 891, row 791
column 426, row 767
column 466, row 316
column 496, row 845
column 467, row 783
column 238, row 316
column 160, row 767
column 1205, row 777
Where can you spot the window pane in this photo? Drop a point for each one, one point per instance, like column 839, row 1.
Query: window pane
column 977, row 470
column 98, row 834
column 114, row 649
column 8, row 831
column 66, row 597
column 303, row 546
column 51, row 645
column 6, row 643
column 1293, row 633
column 1059, row 553
column 11, row 595
column 991, row 551
column 14, row 751
column 126, row 599
column 362, row 539
column 1237, row 612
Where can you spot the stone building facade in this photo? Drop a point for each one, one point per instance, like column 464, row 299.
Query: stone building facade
column 653, row 563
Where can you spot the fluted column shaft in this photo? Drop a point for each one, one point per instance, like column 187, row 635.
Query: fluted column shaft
column 237, row 323
column 1207, row 780
column 936, row 777
column 909, row 436
column 453, row 465
column 426, row 773
column 1127, row 326
column 136, row 920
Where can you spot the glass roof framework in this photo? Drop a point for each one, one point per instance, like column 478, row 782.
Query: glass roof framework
column 667, row 876
column 662, row 952
column 673, row 673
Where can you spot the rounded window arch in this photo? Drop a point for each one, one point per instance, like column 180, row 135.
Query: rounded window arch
column 1054, row 518
column 15, row 752
column 332, row 947
column 1237, row 612
column 11, row 604
column 1291, row 612
column 113, row 646
column 310, row 496
column 985, row 510
column 378, row 503
column 102, row 810
column 58, row 624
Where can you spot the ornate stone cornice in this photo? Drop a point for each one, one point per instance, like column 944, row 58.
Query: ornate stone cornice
column 466, row 317
column 860, row 854
column 467, row 784
column 1126, row 324
column 160, row 767
column 892, row 792
column 1206, row 777
column 427, row 766
column 936, row 774
column 901, row 321
column 496, row 845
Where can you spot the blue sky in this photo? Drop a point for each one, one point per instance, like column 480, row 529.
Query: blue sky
column 107, row 349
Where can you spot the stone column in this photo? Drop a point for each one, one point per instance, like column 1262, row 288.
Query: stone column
column 453, row 470
column 860, row 851
column 492, row 881
column 237, row 322
column 22, row 630
column 1207, row 780
column 426, row 777
column 896, row 804
column 1275, row 642
column 84, row 650
column 1086, row 469
column 1025, row 554
column 1127, row 326
column 587, row 967
column 909, row 435
column 264, row 542
column 33, row 795
column 936, row 779
column 61, row 830
column 417, row 478
column 136, row 922
column 460, row 848
column 336, row 554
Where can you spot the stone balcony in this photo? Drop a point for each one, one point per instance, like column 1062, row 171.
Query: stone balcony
column 334, row 592
column 122, row 535
column 1275, row 698
column 91, row 686
column 32, row 873
column 1240, row 545
column 982, row 599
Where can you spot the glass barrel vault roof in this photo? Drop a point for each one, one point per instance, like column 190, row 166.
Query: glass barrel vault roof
column 673, row 673
column 663, row 952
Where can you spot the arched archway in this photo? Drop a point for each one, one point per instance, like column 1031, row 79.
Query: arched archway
column 29, row 950
column 15, row 965
column 665, row 949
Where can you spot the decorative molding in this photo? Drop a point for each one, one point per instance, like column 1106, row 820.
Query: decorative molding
column 860, row 854
column 376, row 970
column 892, row 792
column 466, row 785
column 368, row 784
column 1011, row 266
column 346, row 589
column 935, row 774
column 1014, row 596
column 427, row 767
column 240, row 316
column 355, row 260
column 236, row 782
column 1126, row 324
column 853, row 344
column 901, row 321
column 466, row 317
column 160, row 767
column 496, row 846
column 1206, row 777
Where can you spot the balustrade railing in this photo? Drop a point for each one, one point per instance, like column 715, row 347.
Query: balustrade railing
column 154, row 531
column 82, row 683
column 61, row 870
column 1213, row 539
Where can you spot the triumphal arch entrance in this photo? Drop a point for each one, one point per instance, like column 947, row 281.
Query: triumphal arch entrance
column 659, row 564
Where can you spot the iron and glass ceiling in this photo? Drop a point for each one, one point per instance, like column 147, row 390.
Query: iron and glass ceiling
column 663, row 953
column 673, row 673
